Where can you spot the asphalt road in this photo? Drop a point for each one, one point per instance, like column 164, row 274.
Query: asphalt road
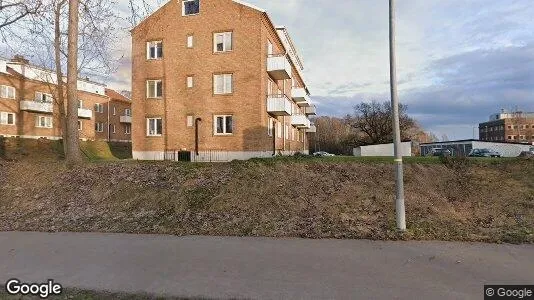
column 263, row 268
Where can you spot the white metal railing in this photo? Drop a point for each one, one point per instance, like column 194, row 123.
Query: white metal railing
column 85, row 113
column 279, row 67
column 310, row 110
column 300, row 121
column 125, row 119
column 31, row 105
column 279, row 105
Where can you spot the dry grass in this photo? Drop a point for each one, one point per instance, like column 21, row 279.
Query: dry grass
column 489, row 202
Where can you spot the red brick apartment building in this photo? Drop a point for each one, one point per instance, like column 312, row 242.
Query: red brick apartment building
column 28, row 109
column 218, row 79
column 515, row 127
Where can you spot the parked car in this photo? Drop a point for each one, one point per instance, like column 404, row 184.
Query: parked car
column 322, row 153
column 529, row 153
column 484, row 153
column 440, row 152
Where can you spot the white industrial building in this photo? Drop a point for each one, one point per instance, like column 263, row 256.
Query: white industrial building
column 383, row 150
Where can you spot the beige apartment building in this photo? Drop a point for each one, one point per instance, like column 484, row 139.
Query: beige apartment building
column 28, row 108
column 511, row 127
column 218, row 79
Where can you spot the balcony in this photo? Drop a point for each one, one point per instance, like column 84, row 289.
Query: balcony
column 34, row 106
column 312, row 129
column 300, row 96
column 85, row 113
column 278, row 105
column 126, row 119
column 310, row 110
column 300, row 121
column 279, row 67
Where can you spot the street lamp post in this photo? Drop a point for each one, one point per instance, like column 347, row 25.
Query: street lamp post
column 399, row 176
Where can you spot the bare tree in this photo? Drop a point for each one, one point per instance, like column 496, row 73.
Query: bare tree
column 12, row 11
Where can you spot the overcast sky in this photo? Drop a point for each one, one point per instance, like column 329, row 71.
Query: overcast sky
column 458, row 60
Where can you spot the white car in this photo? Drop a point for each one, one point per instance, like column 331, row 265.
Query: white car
column 323, row 153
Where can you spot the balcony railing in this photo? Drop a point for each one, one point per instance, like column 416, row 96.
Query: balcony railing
column 278, row 105
column 43, row 107
column 312, row 129
column 310, row 110
column 300, row 121
column 125, row 119
column 85, row 113
column 279, row 67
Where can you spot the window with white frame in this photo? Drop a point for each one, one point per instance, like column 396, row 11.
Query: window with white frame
column 43, row 122
column 190, row 41
column 154, row 127
column 286, row 132
column 189, row 121
column 222, row 42
column 7, row 118
column 189, row 81
column 99, row 127
column 127, row 128
column 99, row 107
column 80, row 103
column 114, row 111
column 270, row 125
column 190, row 7
column 223, row 125
column 154, row 50
column 154, row 88
column 113, row 129
column 7, row 92
column 279, row 129
column 43, row 97
column 128, row 112
column 222, row 84
column 80, row 125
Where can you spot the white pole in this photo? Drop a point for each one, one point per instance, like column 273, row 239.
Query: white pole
column 399, row 176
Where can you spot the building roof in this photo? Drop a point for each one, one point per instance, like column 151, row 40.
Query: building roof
column 114, row 95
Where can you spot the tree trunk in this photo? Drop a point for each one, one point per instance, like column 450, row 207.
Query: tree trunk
column 60, row 100
column 73, row 155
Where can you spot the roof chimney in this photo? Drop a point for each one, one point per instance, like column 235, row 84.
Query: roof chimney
column 20, row 59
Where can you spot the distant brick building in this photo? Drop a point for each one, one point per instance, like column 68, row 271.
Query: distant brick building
column 516, row 127
column 216, row 76
column 28, row 106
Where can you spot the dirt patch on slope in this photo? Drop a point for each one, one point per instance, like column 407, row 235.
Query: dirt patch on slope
column 479, row 202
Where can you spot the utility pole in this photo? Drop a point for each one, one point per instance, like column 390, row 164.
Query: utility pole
column 399, row 177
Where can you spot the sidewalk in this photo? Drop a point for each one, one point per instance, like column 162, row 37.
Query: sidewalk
column 263, row 268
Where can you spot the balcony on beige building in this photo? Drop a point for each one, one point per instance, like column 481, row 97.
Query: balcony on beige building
column 279, row 67
column 85, row 113
column 278, row 105
column 310, row 110
column 125, row 119
column 300, row 121
column 34, row 106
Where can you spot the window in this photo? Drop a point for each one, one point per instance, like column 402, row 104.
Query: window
column 190, row 7
column 80, row 125
column 154, row 50
column 223, row 125
column 522, row 137
column 7, row 118
column 127, row 112
column 127, row 128
column 279, row 129
column 270, row 125
column 222, row 42
column 189, row 121
column 43, row 122
column 99, row 107
column 80, row 103
column 222, row 84
column 189, row 81
column 43, row 97
column 7, row 92
column 286, row 132
column 154, row 127
column 113, row 128
column 99, row 127
column 114, row 111
column 509, row 126
column 298, row 135
column 154, row 89
column 269, row 48
column 190, row 41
